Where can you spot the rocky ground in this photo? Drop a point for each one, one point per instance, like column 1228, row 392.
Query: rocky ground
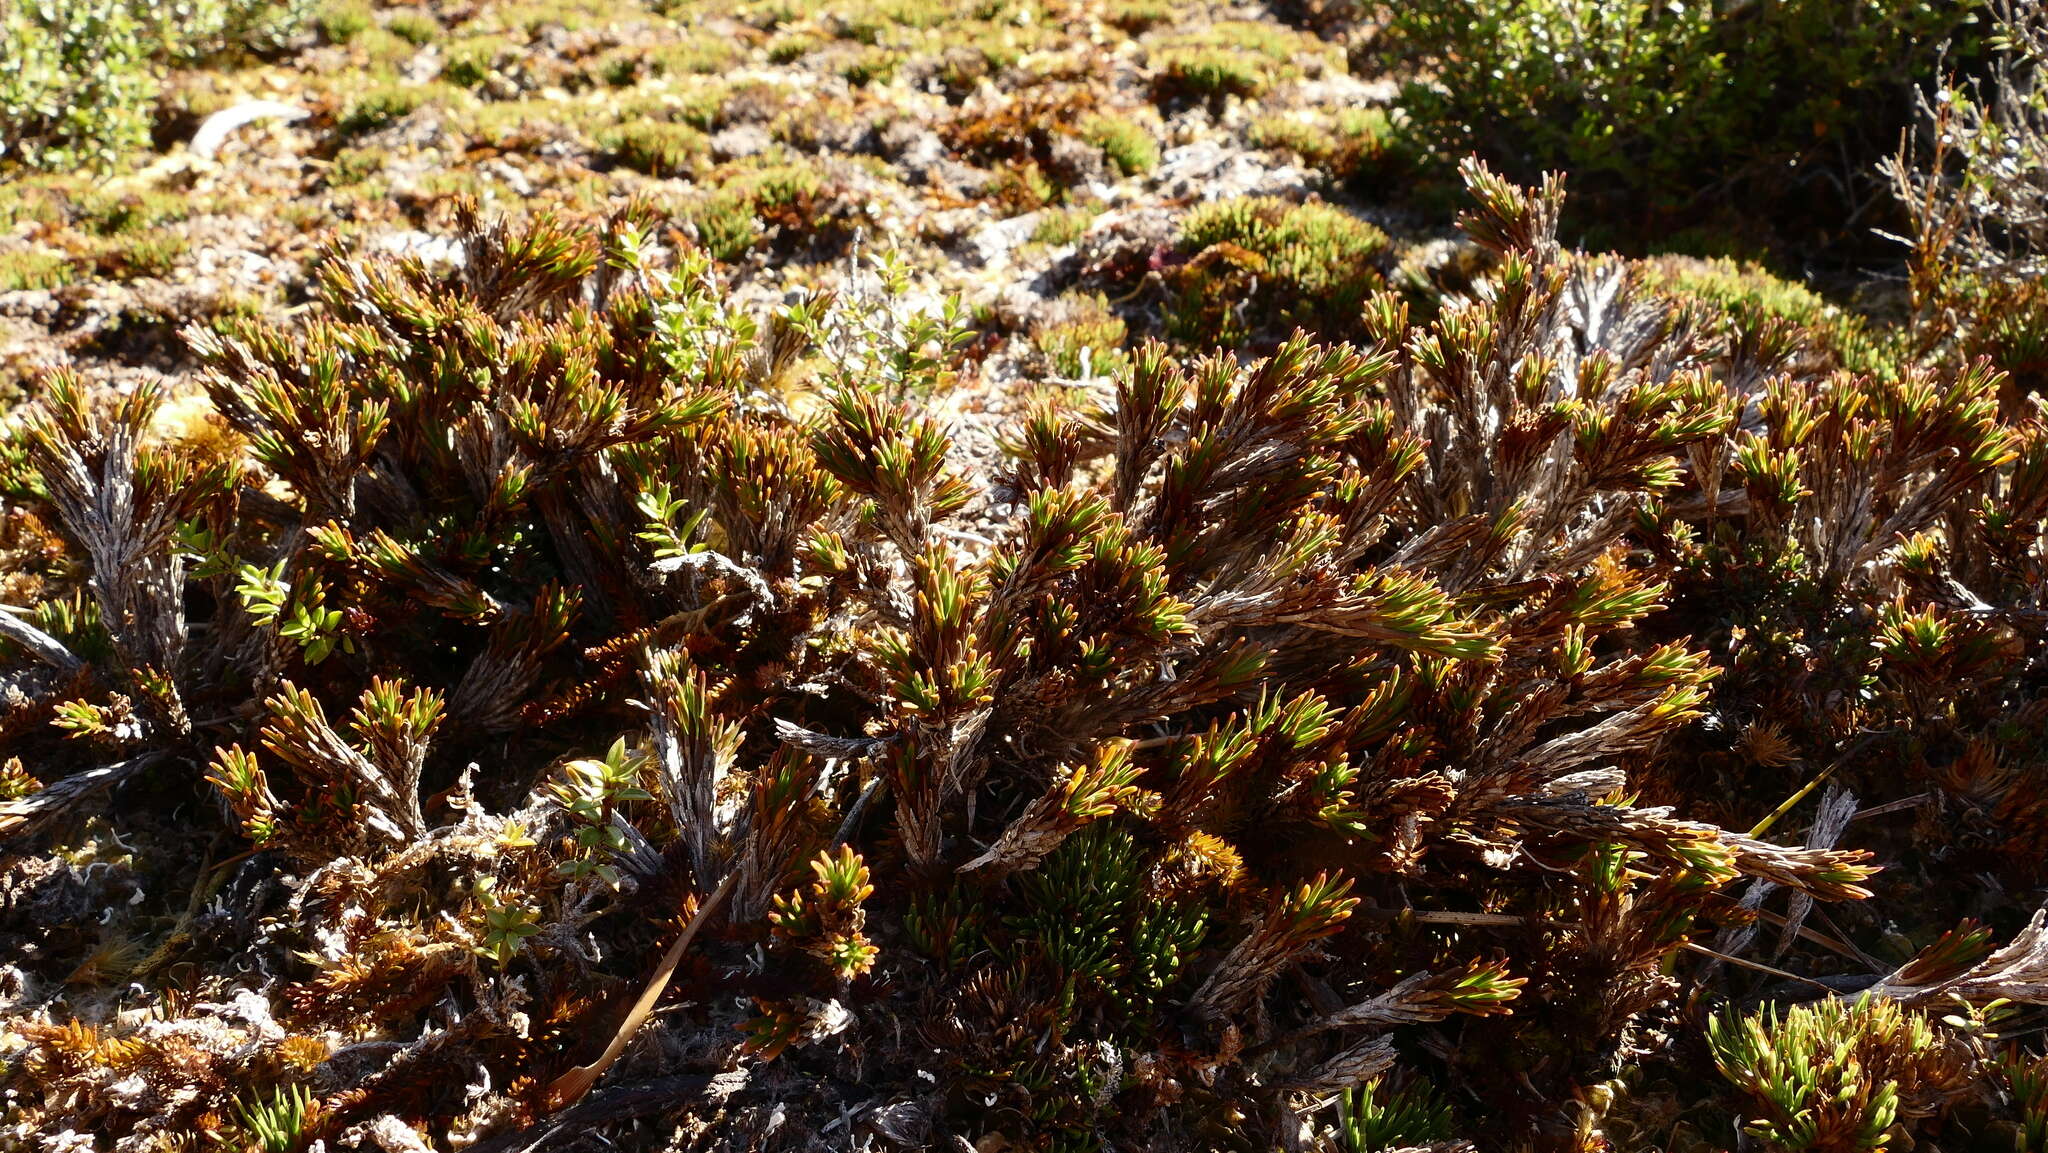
column 1038, row 161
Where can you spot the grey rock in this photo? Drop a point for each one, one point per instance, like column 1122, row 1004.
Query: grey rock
column 740, row 140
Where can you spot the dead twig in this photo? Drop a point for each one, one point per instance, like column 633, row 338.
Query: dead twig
column 24, row 815
column 572, row 1085
column 46, row 648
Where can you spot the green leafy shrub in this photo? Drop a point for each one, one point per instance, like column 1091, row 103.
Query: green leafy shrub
column 150, row 253
column 683, row 57
column 1230, row 58
column 76, row 85
column 1060, row 226
column 415, row 26
column 471, row 64
column 1086, row 339
column 1356, row 142
column 79, row 77
column 872, row 22
column 380, row 107
column 1024, row 187
column 191, row 32
column 1761, row 307
column 658, row 147
column 870, row 66
column 1257, row 264
column 30, row 269
column 725, row 225
column 1774, row 109
column 341, row 23
column 1138, row 16
column 1127, row 144
column 787, row 48
column 1210, row 74
column 784, row 199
